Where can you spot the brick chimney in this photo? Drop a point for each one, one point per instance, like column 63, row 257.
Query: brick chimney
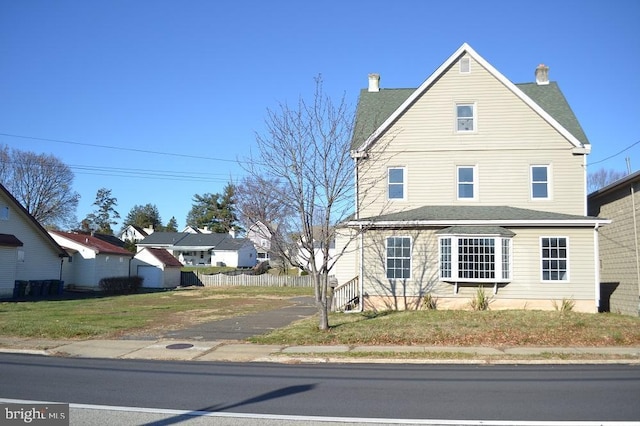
column 542, row 74
column 374, row 82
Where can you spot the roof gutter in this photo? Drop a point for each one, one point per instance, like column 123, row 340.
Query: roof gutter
column 476, row 222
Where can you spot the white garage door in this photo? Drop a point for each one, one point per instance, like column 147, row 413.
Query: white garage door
column 152, row 276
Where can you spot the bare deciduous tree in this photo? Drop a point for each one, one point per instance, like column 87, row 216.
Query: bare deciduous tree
column 601, row 178
column 304, row 163
column 42, row 184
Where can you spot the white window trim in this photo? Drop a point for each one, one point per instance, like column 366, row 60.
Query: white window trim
column 549, row 180
column 567, row 259
column 404, row 183
column 474, row 117
column 454, row 270
column 386, row 257
column 476, row 187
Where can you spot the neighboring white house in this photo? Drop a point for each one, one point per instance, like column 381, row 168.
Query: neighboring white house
column 204, row 249
column 27, row 251
column 260, row 236
column 92, row 259
column 135, row 233
column 157, row 267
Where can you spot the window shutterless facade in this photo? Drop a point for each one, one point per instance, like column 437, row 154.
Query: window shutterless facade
column 396, row 177
column 540, row 182
column 554, row 256
column 472, row 258
column 398, row 257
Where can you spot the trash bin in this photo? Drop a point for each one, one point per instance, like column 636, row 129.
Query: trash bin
column 35, row 288
column 20, row 289
column 44, row 287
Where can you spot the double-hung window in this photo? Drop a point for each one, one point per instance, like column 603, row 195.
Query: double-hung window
column 465, row 117
column 396, row 183
column 554, row 257
column 475, row 258
column 399, row 257
column 540, row 182
column 466, row 183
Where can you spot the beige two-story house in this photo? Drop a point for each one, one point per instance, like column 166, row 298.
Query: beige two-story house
column 469, row 181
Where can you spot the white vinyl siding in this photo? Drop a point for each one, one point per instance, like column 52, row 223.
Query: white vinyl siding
column 524, row 282
column 512, row 138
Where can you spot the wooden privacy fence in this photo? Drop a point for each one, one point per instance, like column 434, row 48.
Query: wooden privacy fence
column 223, row 280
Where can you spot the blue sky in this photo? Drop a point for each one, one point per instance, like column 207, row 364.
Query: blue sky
column 156, row 100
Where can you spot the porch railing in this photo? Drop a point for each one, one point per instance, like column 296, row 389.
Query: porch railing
column 346, row 297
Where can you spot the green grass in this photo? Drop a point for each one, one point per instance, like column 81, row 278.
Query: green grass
column 464, row 328
column 114, row 315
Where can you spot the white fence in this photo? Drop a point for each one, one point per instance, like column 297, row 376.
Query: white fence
column 264, row 280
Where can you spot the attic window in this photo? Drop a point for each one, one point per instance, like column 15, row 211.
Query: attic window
column 4, row 213
column 465, row 66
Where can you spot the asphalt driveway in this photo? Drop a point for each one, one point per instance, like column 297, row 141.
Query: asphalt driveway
column 241, row 327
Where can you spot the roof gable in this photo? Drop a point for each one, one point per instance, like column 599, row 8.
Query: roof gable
column 164, row 256
column 377, row 111
column 94, row 243
column 33, row 222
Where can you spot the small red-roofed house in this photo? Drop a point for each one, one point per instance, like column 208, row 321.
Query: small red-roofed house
column 158, row 268
column 91, row 259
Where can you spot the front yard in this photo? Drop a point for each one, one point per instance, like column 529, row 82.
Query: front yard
column 114, row 316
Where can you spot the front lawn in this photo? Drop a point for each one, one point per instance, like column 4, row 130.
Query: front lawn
column 114, row 315
column 464, row 328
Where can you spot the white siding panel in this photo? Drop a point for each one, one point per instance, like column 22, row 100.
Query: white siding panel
column 526, row 281
column 41, row 261
column 510, row 138
column 8, row 259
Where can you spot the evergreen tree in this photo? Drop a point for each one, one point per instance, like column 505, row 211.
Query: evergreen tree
column 215, row 211
column 172, row 225
column 146, row 216
column 102, row 218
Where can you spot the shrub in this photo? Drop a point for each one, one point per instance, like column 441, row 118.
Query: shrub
column 481, row 301
column 566, row 305
column 430, row 302
column 121, row 285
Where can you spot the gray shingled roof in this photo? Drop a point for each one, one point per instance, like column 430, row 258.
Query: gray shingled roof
column 476, row 230
column 551, row 99
column 375, row 107
column 189, row 241
column 484, row 213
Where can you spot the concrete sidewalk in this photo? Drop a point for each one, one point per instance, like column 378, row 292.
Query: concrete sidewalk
column 237, row 351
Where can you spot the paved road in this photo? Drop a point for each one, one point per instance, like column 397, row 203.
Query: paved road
column 241, row 327
column 541, row 393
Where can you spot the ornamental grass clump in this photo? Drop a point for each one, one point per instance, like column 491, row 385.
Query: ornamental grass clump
column 481, row 301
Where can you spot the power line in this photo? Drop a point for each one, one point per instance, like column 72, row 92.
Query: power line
column 616, row 154
column 120, row 148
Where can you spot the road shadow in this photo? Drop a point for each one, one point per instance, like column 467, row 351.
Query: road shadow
column 275, row 394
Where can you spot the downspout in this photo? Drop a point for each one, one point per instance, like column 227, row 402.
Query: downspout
column 361, row 272
column 596, row 263
column 361, row 248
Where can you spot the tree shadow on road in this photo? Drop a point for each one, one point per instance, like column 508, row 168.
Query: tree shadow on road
column 278, row 393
